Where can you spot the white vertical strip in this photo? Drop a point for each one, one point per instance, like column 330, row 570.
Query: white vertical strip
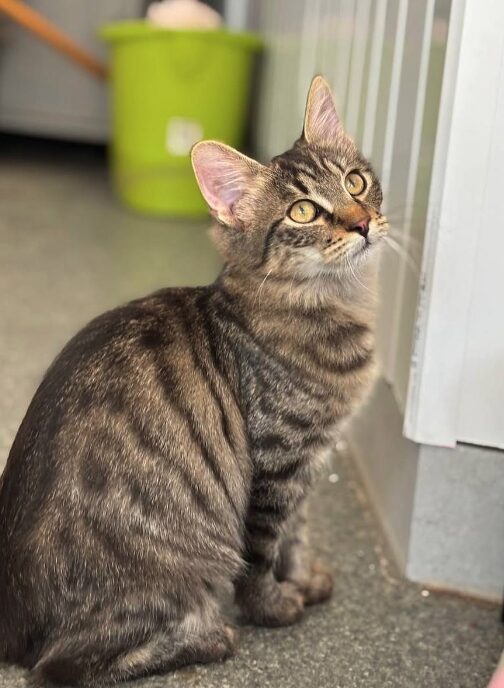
column 327, row 38
column 385, row 334
column 412, row 178
column 343, row 44
column 291, row 18
column 308, row 55
column 262, row 134
column 359, row 44
column 374, row 76
column 481, row 398
column 273, row 57
column 395, row 84
column 279, row 77
column 414, row 425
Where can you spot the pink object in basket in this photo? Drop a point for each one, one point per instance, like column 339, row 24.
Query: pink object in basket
column 183, row 14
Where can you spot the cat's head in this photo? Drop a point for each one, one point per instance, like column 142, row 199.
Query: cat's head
column 312, row 211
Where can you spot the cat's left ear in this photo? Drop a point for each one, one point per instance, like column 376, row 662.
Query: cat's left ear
column 322, row 125
column 223, row 176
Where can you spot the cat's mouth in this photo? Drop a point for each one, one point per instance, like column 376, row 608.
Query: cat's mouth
column 369, row 241
column 363, row 247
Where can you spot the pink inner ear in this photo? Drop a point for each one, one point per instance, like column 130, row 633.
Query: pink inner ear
column 221, row 176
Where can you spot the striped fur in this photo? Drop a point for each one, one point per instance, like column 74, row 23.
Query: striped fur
column 170, row 448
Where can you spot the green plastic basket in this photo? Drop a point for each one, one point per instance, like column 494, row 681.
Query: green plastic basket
column 170, row 89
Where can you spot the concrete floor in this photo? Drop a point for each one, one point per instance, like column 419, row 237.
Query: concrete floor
column 67, row 252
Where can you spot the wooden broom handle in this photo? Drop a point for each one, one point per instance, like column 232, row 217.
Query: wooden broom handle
column 47, row 31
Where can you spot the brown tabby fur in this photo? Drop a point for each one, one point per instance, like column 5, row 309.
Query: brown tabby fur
column 170, row 447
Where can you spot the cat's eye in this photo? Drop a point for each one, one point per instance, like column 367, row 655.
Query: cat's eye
column 303, row 212
column 355, row 183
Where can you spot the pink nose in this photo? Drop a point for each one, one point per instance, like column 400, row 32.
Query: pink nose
column 361, row 227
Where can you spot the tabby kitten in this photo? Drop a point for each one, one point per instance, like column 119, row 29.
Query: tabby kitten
column 170, row 447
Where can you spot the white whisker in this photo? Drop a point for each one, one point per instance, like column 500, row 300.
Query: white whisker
column 259, row 290
column 354, row 274
column 401, row 237
column 399, row 250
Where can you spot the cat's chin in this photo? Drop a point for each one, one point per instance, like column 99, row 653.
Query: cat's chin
column 363, row 253
column 358, row 256
column 361, row 249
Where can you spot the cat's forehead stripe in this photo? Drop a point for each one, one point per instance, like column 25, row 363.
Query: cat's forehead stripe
column 334, row 166
column 301, row 167
column 299, row 184
column 321, row 201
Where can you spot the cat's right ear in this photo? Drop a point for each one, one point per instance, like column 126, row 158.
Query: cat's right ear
column 223, row 176
column 322, row 124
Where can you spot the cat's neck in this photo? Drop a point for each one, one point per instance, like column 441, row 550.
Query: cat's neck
column 339, row 297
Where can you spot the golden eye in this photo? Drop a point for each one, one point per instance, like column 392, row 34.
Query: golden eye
column 355, row 183
column 303, row 212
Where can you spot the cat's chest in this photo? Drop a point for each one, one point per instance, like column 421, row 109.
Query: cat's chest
column 308, row 392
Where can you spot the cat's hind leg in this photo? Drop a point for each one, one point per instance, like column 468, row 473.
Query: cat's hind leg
column 110, row 655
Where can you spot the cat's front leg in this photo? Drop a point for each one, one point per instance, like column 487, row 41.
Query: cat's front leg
column 263, row 599
column 295, row 564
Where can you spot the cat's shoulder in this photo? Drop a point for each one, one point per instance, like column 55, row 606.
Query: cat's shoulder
column 129, row 328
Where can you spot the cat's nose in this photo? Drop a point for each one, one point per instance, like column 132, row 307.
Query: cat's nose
column 361, row 227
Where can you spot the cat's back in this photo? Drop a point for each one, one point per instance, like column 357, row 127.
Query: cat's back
column 106, row 415
column 90, row 373
column 92, row 364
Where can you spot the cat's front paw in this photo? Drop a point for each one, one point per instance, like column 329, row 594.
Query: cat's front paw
column 319, row 586
column 287, row 608
column 282, row 606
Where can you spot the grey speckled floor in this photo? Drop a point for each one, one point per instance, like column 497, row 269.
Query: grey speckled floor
column 67, row 251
